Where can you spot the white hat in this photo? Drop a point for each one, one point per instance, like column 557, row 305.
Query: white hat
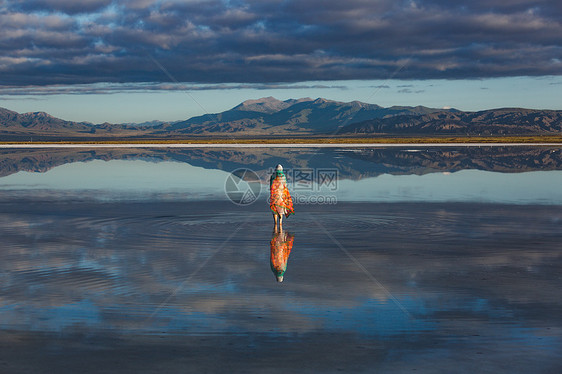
column 279, row 167
column 279, row 278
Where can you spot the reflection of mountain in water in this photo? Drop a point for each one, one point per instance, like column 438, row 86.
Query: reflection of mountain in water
column 350, row 163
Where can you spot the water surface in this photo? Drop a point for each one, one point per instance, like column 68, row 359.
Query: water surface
column 120, row 262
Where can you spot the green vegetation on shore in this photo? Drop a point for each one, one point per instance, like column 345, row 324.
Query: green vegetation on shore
column 319, row 140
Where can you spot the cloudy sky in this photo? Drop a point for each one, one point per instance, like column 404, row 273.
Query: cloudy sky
column 136, row 60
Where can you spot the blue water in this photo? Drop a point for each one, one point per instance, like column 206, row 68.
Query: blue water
column 128, row 265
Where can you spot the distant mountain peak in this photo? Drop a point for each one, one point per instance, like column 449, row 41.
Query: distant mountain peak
column 296, row 101
column 321, row 100
column 38, row 115
column 263, row 100
column 264, row 105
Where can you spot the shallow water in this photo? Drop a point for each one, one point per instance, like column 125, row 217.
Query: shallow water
column 142, row 263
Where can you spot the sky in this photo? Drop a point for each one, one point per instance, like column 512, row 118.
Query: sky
column 133, row 61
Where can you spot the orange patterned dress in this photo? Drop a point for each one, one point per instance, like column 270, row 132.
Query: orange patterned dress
column 280, row 200
column 280, row 245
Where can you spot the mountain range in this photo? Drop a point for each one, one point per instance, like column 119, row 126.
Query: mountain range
column 355, row 164
column 296, row 117
column 506, row 121
column 41, row 125
column 269, row 116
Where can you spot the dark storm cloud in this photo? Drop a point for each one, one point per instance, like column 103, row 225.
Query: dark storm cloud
column 107, row 88
column 47, row 42
column 65, row 6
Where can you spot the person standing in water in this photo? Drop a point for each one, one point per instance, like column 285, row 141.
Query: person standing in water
column 280, row 200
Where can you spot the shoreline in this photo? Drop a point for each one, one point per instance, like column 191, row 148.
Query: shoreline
column 270, row 145
column 292, row 142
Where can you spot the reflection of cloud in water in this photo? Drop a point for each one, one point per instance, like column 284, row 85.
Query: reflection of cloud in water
column 145, row 253
column 475, row 278
column 480, row 280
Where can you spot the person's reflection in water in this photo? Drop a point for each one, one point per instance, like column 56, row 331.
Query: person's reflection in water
column 281, row 245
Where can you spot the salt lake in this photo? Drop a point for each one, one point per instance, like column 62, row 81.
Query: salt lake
column 434, row 259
